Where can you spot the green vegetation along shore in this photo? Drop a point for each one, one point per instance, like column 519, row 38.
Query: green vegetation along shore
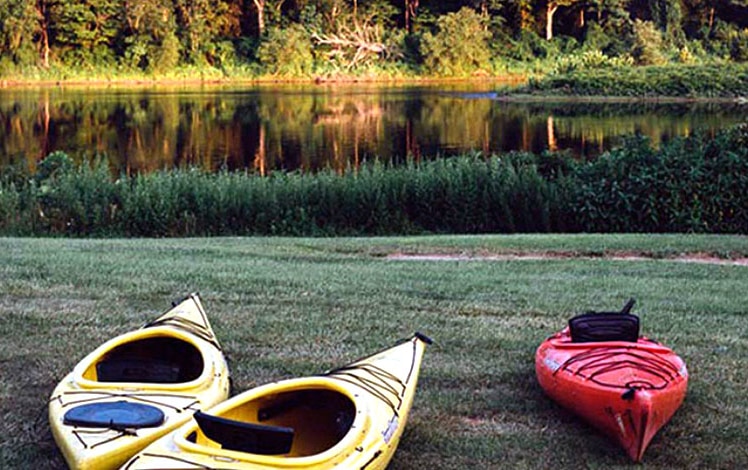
column 284, row 307
column 725, row 81
column 63, row 41
column 693, row 184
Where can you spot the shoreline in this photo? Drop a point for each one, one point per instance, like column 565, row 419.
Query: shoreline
column 103, row 82
column 497, row 95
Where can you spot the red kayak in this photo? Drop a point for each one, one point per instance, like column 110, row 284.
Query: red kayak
column 626, row 385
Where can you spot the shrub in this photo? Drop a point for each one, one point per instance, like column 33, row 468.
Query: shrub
column 739, row 46
column 460, row 45
column 287, row 52
column 648, row 44
column 696, row 184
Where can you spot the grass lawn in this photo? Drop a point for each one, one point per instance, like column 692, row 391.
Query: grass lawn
column 284, row 307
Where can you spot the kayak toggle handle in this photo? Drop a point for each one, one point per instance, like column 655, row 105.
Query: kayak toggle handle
column 628, row 395
column 423, row 338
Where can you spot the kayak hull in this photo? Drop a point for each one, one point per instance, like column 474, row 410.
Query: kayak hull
column 627, row 390
column 122, row 376
column 351, row 417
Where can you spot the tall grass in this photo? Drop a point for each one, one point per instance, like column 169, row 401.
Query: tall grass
column 694, row 184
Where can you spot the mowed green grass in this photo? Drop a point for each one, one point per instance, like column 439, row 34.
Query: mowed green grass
column 285, row 307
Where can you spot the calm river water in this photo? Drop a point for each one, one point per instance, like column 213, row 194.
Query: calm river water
column 265, row 128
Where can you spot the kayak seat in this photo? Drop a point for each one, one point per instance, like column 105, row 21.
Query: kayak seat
column 160, row 359
column 137, row 369
column 114, row 415
column 604, row 326
column 245, row 437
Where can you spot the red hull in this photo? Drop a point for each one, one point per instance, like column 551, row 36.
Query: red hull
column 627, row 390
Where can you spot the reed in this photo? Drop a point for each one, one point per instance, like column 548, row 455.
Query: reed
column 694, row 184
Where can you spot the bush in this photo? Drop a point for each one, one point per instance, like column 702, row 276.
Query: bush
column 696, row 184
column 739, row 46
column 287, row 52
column 460, row 45
column 649, row 46
column 589, row 60
column 682, row 81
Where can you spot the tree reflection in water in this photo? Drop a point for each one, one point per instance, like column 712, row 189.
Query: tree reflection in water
column 267, row 128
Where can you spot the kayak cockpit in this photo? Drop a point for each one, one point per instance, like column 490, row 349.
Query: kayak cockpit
column 155, row 359
column 297, row 423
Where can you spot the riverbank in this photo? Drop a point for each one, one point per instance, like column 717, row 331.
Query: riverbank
column 653, row 82
column 195, row 80
column 663, row 84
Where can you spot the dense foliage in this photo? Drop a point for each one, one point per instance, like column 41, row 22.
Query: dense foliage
column 726, row 81
column 693, row 184
column 64, row 39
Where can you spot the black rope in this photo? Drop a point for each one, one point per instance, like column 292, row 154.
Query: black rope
column 603, row 360
column 197, row 329
column 144, row 397
column 376, row 381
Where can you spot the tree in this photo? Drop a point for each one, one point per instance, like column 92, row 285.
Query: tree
column 42, row 17
column 201, row 22
column 713, row 6
column 358, row 36
column 260, row 7
column 151, row 42
column 85, row 28
column 411, row 11
column 551, row 8
column 18, row 24
column 460, row 45
column 287, row 52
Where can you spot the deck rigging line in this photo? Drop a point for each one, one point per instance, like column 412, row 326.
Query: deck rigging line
column 101, row 396
column 598, row 361
column 378, row 382
column 197, row 329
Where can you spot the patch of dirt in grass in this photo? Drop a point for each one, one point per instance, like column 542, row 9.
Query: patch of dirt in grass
column 702, row 258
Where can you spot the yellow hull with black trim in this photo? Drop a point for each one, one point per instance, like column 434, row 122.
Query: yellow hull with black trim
column 348, row 418
column 170, row 367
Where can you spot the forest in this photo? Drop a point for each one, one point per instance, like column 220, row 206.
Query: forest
column 105, row 39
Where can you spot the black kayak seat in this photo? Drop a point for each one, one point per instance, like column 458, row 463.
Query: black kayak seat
column 245, row 437
column 604, row 326
column 593, row 327
column 143, row 370
column 115, row 415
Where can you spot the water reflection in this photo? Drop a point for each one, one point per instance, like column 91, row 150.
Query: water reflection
column 265, row 128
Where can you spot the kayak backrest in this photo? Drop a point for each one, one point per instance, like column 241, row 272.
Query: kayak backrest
column 604, row 326
column 244, row 436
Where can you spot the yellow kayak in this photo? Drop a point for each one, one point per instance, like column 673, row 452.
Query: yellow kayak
column 351, row 417
column 137, row 387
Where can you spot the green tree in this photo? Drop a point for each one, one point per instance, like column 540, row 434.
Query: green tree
column 151, row 42
column 459, row 46
column 667, row 16
column 287, row 52
column 18, row 24
column 202, row 22
column 85, row 30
